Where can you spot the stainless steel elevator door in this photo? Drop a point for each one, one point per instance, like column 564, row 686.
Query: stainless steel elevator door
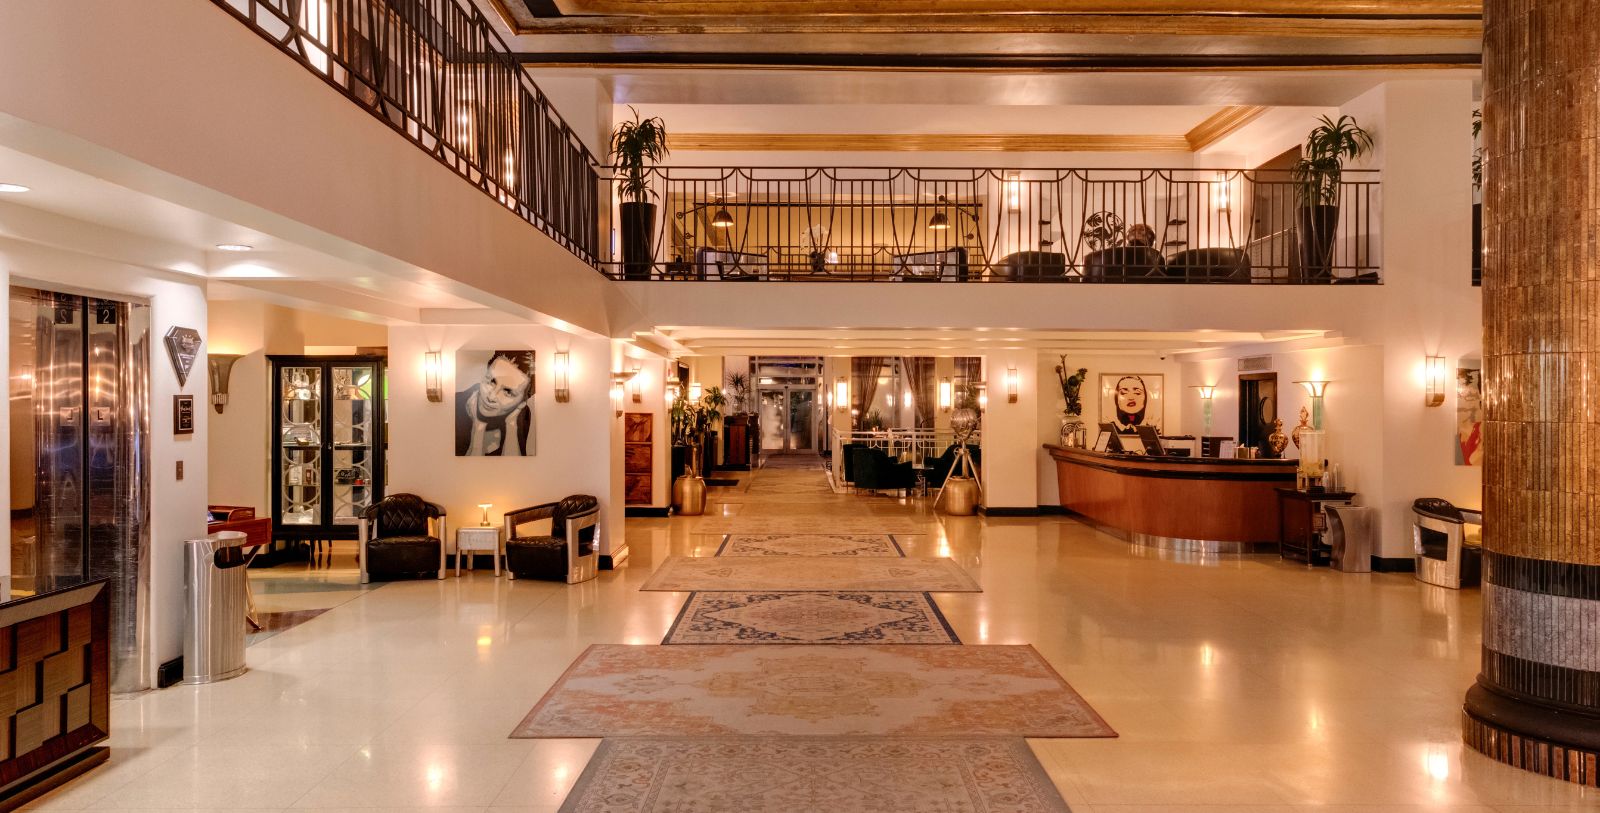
column 80, row 501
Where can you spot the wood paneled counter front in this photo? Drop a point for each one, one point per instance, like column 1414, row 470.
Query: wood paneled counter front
column 1182, row 503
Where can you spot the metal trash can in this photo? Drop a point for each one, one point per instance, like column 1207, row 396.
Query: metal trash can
column 1445, row 554
column 1351, row 529
column 216, row 584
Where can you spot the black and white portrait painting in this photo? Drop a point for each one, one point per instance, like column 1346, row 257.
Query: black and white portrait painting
column 494, row 403
column 1131, row 400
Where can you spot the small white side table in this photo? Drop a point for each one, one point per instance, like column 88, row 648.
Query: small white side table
column 473, row 539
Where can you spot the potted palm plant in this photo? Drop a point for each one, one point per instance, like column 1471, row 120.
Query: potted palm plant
column 635, row 147
column 1316, row 181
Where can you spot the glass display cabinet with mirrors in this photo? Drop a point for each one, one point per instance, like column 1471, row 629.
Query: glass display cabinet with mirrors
column 328, row 439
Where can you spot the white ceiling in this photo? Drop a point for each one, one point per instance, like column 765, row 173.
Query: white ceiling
column 707, row 340
column 927, row 118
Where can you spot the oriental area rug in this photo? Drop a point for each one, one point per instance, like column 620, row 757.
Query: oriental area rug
column 810, row 618
column 806, row 691
column 804, row 573
column 810, row 545
column 773, row 775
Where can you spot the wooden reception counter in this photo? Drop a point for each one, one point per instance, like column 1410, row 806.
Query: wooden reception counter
column 1180, row 503
column 55, row 679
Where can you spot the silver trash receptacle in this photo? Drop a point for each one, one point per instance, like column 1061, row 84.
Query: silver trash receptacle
column 216, row 584
column 1351, row 530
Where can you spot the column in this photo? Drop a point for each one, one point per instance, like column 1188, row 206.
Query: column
column 1536, row 704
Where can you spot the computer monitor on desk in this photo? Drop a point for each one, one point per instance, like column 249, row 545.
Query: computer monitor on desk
column 1151, row 440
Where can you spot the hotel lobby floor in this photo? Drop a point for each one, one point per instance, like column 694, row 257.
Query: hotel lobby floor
column 1240, row 684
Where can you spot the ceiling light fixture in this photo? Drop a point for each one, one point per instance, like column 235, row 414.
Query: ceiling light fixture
column 14, row 187
column 234, row 247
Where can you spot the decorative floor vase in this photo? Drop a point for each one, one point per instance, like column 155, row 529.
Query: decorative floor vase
column 689, row 495
column 960, row 496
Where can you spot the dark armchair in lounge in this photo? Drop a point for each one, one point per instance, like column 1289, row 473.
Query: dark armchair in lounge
column 570, row 552
column 1123, row 264
column 875, row 470
column 397, row 540
column 939, row 467
column 1209, row 265
column 1032, row 266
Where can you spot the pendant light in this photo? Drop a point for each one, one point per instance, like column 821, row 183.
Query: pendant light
column 722, row 218
column 940, row 221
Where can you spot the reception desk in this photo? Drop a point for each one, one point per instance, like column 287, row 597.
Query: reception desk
column 1201, row 504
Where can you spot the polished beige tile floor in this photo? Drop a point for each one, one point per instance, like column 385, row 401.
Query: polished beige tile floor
column 1237, row 684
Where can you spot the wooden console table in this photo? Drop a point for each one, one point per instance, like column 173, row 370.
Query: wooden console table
column 1301, row 524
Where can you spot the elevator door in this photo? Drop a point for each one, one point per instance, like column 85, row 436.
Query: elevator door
column 80, row 439
column 788, row 419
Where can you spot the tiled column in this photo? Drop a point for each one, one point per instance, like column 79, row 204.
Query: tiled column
column 1537, row 701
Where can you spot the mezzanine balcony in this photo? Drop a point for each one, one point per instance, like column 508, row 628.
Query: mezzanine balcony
column 1065, row 225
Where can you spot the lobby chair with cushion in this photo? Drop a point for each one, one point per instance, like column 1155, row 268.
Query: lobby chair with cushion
column 1124, row 264
column 1209, row 265
column 568, row 551
column 848, row 461
column 875, row 470
column 1033, row 266
column 401, row 535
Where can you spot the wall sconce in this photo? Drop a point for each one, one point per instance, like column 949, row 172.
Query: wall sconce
column 1223, row 198
column 219, row 366
column 1207, row 392
column 1433, row 395
column 1315, row 389
column 633, row 386
column 618, row 381
column 695, row 391
column 561, row 368
column 1013, row 383
column 841, row 393
column 1014, row 192
column 946, row 395
column 672, row 391
column 433, row 375
column 983, row 394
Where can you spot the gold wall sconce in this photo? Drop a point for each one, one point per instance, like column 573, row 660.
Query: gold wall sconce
column 1316, row 389
column 433, row 375
column 219, row 366
column 619, row 380
column 1013, row 384
column 561, row 369
column 1434, row 370
column 634, row 394
column 947, row 395
column 841, row 393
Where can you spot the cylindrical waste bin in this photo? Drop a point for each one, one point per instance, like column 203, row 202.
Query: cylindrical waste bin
column 214, row 574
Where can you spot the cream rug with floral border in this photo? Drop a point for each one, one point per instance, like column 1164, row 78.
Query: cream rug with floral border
column 806, row 573
column 770, row 775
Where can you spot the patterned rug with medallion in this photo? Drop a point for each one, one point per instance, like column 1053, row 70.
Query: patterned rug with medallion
column 810, row 668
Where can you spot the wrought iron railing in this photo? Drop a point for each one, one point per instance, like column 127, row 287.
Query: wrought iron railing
column 436, row 72
column 869, row 224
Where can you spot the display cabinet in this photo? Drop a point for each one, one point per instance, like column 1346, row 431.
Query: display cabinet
column 327, row 444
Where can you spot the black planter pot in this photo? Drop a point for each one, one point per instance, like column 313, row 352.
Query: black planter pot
column 1317, row 225
column 638, row 239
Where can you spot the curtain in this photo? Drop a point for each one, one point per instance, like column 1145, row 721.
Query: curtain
column 919, row 378
column 864, row 372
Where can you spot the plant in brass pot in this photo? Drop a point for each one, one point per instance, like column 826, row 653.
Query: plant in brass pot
column 691, row 424
column 636, row 146
column 1317, row 176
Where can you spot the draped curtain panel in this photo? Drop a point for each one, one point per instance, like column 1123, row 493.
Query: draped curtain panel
column 919, row 377
column 864, row 372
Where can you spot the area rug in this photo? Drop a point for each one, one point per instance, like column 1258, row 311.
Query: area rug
column 818, row 521
column 614, row 690
column 810, row 545
column 724, row 775
column 810, row 618
column 806, row 573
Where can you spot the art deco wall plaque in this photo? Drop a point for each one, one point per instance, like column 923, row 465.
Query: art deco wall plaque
column 183, row 345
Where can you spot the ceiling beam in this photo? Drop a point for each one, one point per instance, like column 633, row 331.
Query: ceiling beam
column 1221, row 124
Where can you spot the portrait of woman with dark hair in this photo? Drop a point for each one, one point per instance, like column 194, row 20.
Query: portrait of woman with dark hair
column 1130, row 401
column 494, row 403
column 1469, row 416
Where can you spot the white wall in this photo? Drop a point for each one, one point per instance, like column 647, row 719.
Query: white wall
column 578, row 442
column 177, row 508
column 1010, row 435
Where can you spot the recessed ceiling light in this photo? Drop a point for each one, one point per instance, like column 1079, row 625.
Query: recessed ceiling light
column 13, row 187
column 234, row 247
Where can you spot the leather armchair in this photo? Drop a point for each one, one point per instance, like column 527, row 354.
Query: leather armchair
column 402, row 535
column 875, row 470
column 1124, row 264
column 570, row 552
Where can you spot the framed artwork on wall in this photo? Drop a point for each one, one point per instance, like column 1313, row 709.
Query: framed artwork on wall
column 1132, row 400
column 183, row 414
column 1469, row 416
column 494, row 403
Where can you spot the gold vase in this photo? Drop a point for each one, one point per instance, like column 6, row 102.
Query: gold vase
column 689, row 495
column 960, row 496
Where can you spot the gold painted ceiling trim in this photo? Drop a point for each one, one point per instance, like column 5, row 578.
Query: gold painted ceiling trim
column 920, row 8
column 936, row 142
column 533, row 61
column 1221, row 124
